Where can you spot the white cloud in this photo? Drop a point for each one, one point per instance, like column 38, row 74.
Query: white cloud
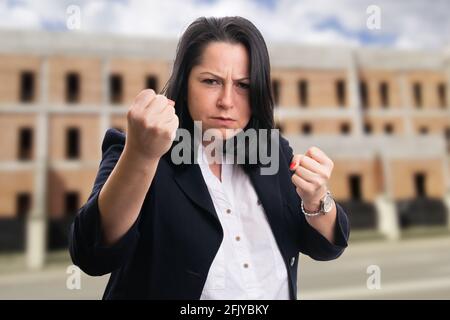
column 18, row 17
column 414, row 23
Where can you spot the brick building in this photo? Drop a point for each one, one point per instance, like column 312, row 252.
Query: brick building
column 382, row 115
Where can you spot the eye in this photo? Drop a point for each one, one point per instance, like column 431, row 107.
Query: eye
column 210, row 81
column 244, row 85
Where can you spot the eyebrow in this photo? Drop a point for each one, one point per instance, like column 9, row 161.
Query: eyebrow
column 215, row 75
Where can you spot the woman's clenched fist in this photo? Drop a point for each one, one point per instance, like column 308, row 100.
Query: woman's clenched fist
column 152, row 125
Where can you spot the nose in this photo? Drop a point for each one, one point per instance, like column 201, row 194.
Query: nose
column 226, row 97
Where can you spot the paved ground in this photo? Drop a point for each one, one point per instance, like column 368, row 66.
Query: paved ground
column 410, row 269
column 50, row 283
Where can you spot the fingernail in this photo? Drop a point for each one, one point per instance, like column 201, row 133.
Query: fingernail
column 292, row 165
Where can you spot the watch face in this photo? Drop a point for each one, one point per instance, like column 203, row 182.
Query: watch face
column 327, row 203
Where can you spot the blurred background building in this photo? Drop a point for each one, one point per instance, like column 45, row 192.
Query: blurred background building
column 382, row 115
column 374, row 96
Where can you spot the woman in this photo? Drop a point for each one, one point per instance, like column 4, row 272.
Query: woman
column 206, row 230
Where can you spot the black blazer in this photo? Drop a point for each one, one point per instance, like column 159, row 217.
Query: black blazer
column 167, row 253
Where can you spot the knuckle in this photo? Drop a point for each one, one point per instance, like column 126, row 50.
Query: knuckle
column 155, row 130
column 293, row 178
column 324, row 174
column 144, row 97
column 161, row 98
column 148, row 92
column 162, row 131
column 317, row 182
column 331, row 164
column 133, row 114
column 147, row 123
column 130, row 114
column 169, row 111
column 145, row 94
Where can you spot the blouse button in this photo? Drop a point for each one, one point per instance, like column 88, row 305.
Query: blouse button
column 245, row 265
column 238, row 238
column 228, row 211
column 258, row 202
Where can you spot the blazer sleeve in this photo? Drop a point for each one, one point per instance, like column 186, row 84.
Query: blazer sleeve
column 311, row 241
column 85, row 239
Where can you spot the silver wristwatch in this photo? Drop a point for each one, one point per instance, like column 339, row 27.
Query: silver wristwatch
column 326, row 204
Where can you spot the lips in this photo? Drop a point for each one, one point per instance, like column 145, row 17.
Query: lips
column 223, row 118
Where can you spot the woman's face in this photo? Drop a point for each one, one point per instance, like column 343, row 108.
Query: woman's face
column 218, row 89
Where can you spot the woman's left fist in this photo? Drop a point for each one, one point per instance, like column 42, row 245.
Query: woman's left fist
column 312, row 172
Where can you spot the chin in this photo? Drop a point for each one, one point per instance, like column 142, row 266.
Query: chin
column 227, row 133
column 223, row 133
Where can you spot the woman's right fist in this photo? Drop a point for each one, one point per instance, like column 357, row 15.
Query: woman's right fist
column 152, row 125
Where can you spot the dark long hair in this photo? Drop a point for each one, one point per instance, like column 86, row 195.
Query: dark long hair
column 234, row 30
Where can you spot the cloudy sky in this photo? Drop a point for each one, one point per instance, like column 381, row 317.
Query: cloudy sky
column 403, row 23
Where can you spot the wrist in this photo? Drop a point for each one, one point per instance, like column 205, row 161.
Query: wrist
column 310, row 208
column 137, row 155
column 138, row 159
column 323, row 207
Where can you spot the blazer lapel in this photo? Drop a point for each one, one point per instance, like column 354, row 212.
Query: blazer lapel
column 190, row 180
column 268, row 189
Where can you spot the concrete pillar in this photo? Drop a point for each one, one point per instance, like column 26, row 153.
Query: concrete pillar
column 406, row 101
column 354, row 95
column 447, row 205
column 446, row 177
column 36, row 229
column 446, row 160
column 447, row 71
column 105, row 116
column 388, row 220
column 388, row 224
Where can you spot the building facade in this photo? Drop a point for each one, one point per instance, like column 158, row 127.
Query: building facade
column 382, row 115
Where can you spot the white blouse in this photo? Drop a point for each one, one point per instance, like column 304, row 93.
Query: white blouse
column 248, row 264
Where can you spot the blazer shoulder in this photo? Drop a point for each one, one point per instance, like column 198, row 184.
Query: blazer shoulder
column 113, row 137
column 284, row 143
column 285, row 148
